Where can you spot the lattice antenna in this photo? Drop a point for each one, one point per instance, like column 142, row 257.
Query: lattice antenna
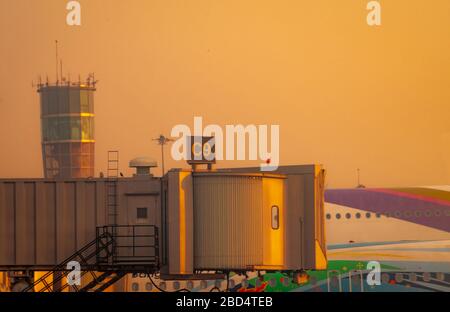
column 57, row 58
column 162, row 140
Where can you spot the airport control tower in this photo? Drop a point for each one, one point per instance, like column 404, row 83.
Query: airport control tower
column 67, row 124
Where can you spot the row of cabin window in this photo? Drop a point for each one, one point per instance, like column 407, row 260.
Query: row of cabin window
column 386, row 278
column 398, row 214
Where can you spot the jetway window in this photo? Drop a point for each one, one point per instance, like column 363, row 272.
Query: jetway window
column 275, row 217
column 142, row 213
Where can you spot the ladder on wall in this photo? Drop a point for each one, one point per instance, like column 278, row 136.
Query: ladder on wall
column 111, row 187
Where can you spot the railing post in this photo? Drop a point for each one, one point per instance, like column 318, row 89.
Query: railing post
column 97, row 244
column 114, row 243
column 156, row 242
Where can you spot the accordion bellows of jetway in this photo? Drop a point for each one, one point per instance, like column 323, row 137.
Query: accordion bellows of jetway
column 220, row 220
column 244, row 220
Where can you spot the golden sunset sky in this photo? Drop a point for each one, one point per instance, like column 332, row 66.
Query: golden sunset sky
column 344, row 94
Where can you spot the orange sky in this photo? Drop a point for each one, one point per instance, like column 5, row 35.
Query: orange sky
column 344, row 94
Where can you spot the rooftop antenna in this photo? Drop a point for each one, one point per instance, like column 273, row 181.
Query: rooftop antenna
column 88, row 80
column 62, row 78
column 56, row 46
column 162, row 140
column 359, row 180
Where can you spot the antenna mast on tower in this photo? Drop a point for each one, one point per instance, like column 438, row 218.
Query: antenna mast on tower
column 162, row 140
column 56, row 46
column 359, row 179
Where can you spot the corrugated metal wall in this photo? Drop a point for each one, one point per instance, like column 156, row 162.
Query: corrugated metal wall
column 228, row 221
column 303, row 213
column 43, row 222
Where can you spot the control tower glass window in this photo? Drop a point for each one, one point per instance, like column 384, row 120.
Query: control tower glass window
column 67, row 125
column 74, row 100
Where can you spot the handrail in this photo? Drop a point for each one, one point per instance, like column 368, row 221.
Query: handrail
column 140, row 253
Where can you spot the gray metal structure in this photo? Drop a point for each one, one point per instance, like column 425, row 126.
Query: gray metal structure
column 42, row 222
column 224, row 220
column 221, row 221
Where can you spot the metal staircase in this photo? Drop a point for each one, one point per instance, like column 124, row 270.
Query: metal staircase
column 115, row 252
column 103, row 281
